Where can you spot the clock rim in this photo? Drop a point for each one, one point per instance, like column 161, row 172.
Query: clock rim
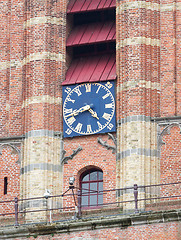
column 107, row 122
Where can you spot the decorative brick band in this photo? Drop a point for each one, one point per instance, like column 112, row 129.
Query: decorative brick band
column 138, row 151
column 135, row 118
column 148, row 6
column 41, row 99
column 42, row 133
column 42, row 56
column 138, row 5
column 8, row 64
column 170, row 7
column 137, row 41
column 40, row 166
column 140, row 84
column 44, row 20
column 33, row 57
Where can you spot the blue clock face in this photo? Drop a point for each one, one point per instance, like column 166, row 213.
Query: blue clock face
column 88, row 109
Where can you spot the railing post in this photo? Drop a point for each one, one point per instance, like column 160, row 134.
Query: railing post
column 136, row 197
column 16, row 210
column 79, row 203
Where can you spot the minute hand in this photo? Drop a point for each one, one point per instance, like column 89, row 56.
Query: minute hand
column 94, row 114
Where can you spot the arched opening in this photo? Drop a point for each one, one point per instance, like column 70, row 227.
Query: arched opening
column 91, row 184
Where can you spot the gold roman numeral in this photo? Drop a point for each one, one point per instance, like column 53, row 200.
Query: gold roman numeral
column 78, row 127
column 77, row 90
column 106, row 116
column 89, row 129
column 71, row 120
column 88, row 87
column 109, row 105
column 66, row 110
column 106, row 95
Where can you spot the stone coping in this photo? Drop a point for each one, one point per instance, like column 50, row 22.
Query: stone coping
column 121, row 221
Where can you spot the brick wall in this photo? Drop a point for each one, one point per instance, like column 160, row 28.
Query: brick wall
column 170, row 58
column 32, row 67
column 11, row 55
column 92, row 155
column 10, row 168
column 158, row 231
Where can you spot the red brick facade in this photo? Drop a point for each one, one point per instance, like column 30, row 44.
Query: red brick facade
column 33, row 66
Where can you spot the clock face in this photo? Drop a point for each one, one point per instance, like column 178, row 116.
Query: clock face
column 88, row 109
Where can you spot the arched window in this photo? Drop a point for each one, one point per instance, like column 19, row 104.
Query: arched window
column 91, row 183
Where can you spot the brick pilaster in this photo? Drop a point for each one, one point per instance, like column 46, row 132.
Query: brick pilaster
column 138, row 92
column 44, row 60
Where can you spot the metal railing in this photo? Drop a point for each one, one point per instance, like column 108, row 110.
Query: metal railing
column 167, row 191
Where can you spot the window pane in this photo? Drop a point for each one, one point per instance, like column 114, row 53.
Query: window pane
column 84, row 201
column 100, row 186
column 93, row 176
column 100, row 175
column 85, row 178
column 85, row 188
column 100, row 199
column 93, row 187
column 93, row 200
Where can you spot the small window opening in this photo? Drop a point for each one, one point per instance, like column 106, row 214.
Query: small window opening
column 5, row 185
column 91, row 183
column 94, row 49
column 94, row 16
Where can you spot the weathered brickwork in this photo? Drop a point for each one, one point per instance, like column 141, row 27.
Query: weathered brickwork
column 44, row 59
column 33, row 66
column 10, row 169
column 170, row 165
column 152, row 231
column 92, row 155
column 170, row 58
column 138, row 91
column 11, row 52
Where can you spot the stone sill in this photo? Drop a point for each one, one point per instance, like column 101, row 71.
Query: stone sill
column 121, row 221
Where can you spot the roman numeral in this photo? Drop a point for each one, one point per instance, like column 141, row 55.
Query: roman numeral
column 66, row 110
column 106, row 116
column 98, row 89
column 109, row 105
column 77, row 90
column 78, row 127
column 89, row 129
column 88, row 87
column 106, row 95
column 71, row 120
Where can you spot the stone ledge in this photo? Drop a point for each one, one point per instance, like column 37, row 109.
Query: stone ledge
column 121, row 221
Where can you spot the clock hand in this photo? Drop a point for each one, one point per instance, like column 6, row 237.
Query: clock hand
column 85, row 108
column 76, row 112
column 94, row 114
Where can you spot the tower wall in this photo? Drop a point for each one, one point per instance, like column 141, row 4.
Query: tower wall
column 148, row 99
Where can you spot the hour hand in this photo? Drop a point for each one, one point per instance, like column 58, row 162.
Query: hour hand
column 94, row 114
column 85, row 108
column 76, row 112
